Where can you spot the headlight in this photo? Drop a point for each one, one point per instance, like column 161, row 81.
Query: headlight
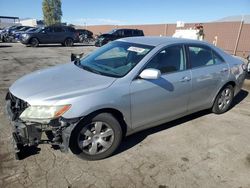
column 44, row 112
column 25, row 35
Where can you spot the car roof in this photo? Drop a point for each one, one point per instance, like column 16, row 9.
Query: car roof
column 155, row 41
column 127, row 29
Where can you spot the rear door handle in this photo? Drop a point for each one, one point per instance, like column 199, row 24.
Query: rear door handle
column 185, row 79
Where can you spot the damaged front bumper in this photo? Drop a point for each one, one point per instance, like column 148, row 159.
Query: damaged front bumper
column 58, row 131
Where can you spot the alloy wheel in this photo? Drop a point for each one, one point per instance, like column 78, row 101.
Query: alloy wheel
column 225, row 99
column 68, row 42
column 96, row 138
column 34, row 42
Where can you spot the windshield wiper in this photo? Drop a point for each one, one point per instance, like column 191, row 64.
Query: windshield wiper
column 106, row 69
column 90, row 69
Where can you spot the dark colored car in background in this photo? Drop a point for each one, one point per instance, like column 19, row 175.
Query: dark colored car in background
column 86, row 32
column 5, row 34
column 85, row 36
column 15, row 34
column 19, row 35
column 64, row 35
column 117, row 34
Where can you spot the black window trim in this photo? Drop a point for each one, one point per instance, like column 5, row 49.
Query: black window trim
column 217, row 54
column 171, row 45
column 200, row 46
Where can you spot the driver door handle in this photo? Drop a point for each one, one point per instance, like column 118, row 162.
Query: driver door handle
column 185, row 79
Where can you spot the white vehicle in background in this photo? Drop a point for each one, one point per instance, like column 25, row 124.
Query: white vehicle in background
column 196, row 33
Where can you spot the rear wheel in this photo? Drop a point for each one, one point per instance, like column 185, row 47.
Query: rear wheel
column 34, row 42
column 223, row 100
column 68, row 42
column 96, row 138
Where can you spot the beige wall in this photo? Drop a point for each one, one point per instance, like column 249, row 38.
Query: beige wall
column 226, row 32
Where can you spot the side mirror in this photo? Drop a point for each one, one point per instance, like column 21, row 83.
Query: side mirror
column 150, row 74
column 76, row 57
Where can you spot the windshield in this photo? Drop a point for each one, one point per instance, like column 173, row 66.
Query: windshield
column 115, row 59
column 23, row 28
column 39, row 29
column 112, row 31
column 32, row 29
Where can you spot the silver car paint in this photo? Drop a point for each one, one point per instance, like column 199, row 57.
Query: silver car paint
column 143, row 103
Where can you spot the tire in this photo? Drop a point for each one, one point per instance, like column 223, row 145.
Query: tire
column 68, row 42
column 4, row 39
column 223, row 100
column 34, row 42
column 96, row 138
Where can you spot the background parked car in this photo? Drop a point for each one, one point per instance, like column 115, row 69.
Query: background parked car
column 85, row 36
column 64, row 35
column 85, row 32
column 17, row 33
column 31, row 30
column 117, row 34
column 6, row 32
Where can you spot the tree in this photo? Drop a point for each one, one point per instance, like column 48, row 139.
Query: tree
column 52, row 12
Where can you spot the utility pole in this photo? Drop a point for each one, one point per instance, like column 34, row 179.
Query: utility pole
column 239, row 33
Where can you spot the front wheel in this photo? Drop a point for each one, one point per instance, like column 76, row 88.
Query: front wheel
column 68, row 42
column 96, row 138
column 34, row 42
column 223, row 100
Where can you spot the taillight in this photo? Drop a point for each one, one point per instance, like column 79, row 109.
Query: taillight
column 244, row 67
column 248, row 67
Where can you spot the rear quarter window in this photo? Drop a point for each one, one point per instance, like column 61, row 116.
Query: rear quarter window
column 70, row 29
column 138, row 33
column 200, row 56
column 217, row 58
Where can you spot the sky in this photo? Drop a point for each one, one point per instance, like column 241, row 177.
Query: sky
column 126, row 12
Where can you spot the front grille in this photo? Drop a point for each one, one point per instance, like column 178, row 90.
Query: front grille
column 17, row 105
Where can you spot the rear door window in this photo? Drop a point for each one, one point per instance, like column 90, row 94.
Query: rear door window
column 137, row 33
column 49, row 29
column 128, row 33
column 58, row 29
column 120, row 33
column 217, row 58
column 200, row 56
column 71, row 29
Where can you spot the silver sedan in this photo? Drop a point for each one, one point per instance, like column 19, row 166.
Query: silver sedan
column 126, row 86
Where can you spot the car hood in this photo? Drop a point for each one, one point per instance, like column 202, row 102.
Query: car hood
column 58, row 83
